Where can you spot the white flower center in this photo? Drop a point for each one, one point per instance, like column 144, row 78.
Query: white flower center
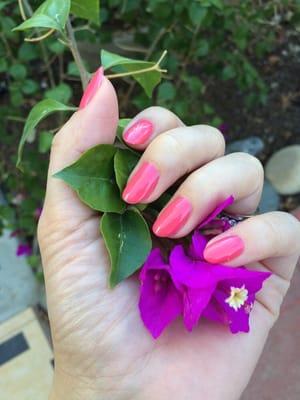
column 237, row 298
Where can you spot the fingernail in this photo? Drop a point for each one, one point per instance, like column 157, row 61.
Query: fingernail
column 139, row 132
column 91, row 88
column 173, row 217
column 141, row 184
column 224, row 250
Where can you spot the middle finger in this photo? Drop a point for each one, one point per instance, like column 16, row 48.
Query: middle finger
column 170, row 156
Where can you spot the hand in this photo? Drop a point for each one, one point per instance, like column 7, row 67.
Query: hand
column 102, row 349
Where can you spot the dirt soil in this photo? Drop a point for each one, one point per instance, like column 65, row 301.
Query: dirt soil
column 278, row 122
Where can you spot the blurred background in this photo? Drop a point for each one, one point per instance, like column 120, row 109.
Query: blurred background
column 232, row 64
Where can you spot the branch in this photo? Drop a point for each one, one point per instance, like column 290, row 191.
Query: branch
column 155, row 67
column 39, row 38
column 22, row 12
column 41, row 44
column 84, row 75
column 155, row 42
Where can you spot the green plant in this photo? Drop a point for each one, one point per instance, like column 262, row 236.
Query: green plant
column 43, row 68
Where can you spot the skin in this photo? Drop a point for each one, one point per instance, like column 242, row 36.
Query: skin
column 101, row 348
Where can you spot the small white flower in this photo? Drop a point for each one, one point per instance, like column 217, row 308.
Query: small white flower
column 237, row 298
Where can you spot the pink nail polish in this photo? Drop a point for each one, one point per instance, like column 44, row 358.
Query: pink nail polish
column 141, row 184
column 173, row 217
column 92, row 88
column 224, row 250
column 139, row 132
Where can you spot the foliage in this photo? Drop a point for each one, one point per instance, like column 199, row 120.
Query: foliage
column 208, row 41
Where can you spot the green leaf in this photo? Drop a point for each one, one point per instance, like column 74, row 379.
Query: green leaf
column 3, row 65
column 123, row 122
column 51, row 14
column 40, row 111
column 56, row 47
column 148, row 79
column 61, row 92
column 28, row 52
column 197, row 13
column 29, row 87
column 166, row 91
column 92, row 176
column 87, row 9
column 73, row 69
column 18, row 71
column 124, row 162
column 38, row 21
column 228, row 72
column 128, row 241
column 202, row 48
column 45, row 141
column 16, row 96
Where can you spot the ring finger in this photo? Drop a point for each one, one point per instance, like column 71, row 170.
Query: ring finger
column 237, row 174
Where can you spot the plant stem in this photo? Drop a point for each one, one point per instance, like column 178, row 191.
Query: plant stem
column 22, row 12
column 155, row 42
column 84, row 75
column 42, row 46
column 7, row 47
column 39, row 38
column 155, row 67
column 14, row 118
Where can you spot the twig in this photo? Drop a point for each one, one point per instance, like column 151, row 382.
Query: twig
column 84, row 75
column 39, row 38
column 42, row 46
column 22, row 12
column 7, row 47
column 187, row 57
column 155, row 42
column 155, row 67
column 14, row 118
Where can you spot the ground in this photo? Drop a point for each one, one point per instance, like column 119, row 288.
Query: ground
column 278, row 122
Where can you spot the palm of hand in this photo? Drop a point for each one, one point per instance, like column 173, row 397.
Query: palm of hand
column 99, row 338
column 101, row 347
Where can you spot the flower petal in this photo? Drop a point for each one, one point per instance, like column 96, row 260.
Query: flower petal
column 226, row 203
column 197, row 246
column 188, row 272
column 158, row 308
column 194, row 302
column 238, row 320
column 215, row 312
column 253, row 280
column 154, row 261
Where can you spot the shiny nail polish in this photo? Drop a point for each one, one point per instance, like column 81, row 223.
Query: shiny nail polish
column 224, row 250
column 92, row 88
column 139, row 132
column 141, row 184
column 173, row 217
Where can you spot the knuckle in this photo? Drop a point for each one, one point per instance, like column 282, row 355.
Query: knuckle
column 154, row 109
column 167, row 143
column 274, row 235
column 283, row 229
column 251, row 161
column 213, row 132
column 293, row 224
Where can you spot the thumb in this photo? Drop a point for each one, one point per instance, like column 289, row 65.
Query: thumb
column 94, row 123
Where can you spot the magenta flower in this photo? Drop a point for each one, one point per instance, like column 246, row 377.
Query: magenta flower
column 223, row 128
column 23, row 250
column 15, row 233
column 215, row 291
column 190, row 286
column 160, row 302
column 37, row 212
